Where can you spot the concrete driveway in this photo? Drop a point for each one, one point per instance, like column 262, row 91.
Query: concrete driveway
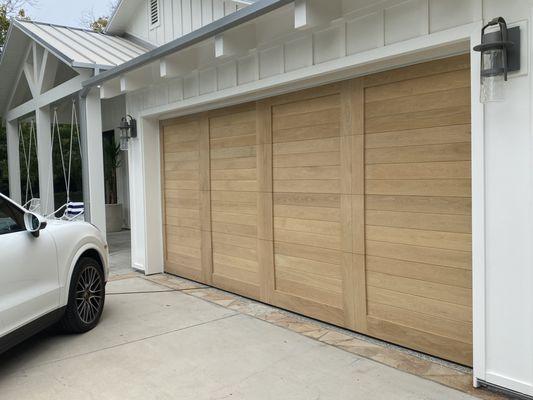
column 158, row 343
column 163, row 337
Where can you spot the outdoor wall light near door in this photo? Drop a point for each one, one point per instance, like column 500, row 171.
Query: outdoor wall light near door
column 500, row 54
column 128, row 130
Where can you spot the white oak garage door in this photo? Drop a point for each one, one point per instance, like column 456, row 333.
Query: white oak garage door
column 350, row 203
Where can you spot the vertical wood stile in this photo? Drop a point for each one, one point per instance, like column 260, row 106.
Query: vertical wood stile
column 163, row 197
column 205, row 201
column 265, row 235
column 346, row 171
column 358, row 205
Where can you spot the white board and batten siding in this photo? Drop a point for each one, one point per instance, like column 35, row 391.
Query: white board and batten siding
column 506, row 151
column 176, row 18
column 280, row 49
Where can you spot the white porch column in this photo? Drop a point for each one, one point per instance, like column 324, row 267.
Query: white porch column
column 93, row 159
column 13, row 160
column 145, row 198
column 44, row 159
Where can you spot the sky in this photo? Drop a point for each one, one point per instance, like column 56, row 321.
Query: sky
column 67, row 12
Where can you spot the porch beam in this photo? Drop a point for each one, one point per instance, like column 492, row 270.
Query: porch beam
column 13, row 161
column 21, row 111
column 43, row 126
column 311, row 13
column 49, row 97
column 93, row 159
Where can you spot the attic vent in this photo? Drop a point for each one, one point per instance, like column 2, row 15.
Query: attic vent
column 154, row 13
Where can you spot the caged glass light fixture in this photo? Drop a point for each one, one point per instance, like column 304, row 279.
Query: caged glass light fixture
column 500, row 54
column 128, row 130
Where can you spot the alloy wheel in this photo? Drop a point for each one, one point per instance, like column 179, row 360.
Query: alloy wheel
column 89, row 294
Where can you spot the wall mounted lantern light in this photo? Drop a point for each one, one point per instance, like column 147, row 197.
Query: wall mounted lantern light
column 500, row 54
column 128, row 130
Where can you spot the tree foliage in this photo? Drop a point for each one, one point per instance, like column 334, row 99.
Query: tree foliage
column 11, row 9
column 98, row 23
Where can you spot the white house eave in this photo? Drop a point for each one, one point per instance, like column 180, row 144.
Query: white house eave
column 99, row 67
column 113, row 17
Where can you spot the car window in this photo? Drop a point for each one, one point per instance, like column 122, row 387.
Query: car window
column 11, row 218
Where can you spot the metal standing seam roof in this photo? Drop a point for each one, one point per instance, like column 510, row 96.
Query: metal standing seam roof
column 82, row 47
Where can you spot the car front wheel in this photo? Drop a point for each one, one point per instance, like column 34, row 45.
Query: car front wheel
column 86, row 297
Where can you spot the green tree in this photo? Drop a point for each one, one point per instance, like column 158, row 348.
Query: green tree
column 11, row 9
column 98, row 24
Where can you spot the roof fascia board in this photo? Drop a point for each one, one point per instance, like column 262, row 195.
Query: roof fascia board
column 113, row 16
column 240, row 17
column 6, row 43
column 100, row 67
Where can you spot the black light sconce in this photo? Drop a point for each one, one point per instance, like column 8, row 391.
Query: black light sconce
column 128, row 130
column 500, row 54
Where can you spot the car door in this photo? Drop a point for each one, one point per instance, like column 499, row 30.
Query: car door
column 29, row 286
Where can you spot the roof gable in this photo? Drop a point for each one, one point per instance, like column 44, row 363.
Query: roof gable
column 81, row 48
column 73, row 48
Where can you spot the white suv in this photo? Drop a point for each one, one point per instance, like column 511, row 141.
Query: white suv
column 50, row 271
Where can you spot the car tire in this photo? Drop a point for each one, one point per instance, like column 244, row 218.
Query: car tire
column 86, row 297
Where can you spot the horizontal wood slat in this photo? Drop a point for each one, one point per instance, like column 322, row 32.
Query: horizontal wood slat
column 419, row 340
column 420, row 137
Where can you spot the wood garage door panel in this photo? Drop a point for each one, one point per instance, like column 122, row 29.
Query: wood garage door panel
column 307, row 214
column 418, row 209
column 234, row 187
column 350, row 203
column 182, row 225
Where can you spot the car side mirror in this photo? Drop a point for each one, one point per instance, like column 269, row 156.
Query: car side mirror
column 34, row 223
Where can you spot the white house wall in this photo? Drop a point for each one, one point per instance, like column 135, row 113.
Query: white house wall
column 504, row 279
column 178, row 17
column 285, row 50
column 509, row 211
column 112, row 112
